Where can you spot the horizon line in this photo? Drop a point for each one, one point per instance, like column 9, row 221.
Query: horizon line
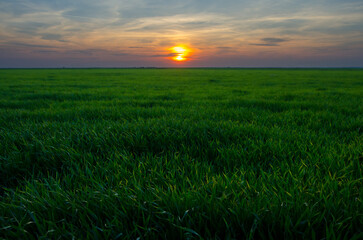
column 8, row 68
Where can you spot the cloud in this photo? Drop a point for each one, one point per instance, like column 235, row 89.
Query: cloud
column 145, row 40
column 29, row 27
column 15, row 8
column 265, row 44
column 90, row 12
column 45, row 51
column 19, row 44
column 140, row 28
column 81, row 52
column 274, row 40
column 120, row 54
column 270, row 42
column 52, row 36
column 165, row 55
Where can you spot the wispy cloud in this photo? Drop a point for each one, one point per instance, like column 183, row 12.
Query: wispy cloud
column 131, row 30
column 27, row 45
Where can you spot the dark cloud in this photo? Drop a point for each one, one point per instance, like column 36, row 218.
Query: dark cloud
column 95, row 52
column 165, row 55
column 265, row 44
column 19, row 44
column 30, row 27
column 120, row 54
column 88, row 52
column 225, row 48
column 274, row 40
column 146, row 40
column 81, row 52
column 45, row 51
column 50, row 36
column 222, row 50
column 270, row 42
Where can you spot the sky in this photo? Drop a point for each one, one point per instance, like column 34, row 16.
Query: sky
column 219, row 33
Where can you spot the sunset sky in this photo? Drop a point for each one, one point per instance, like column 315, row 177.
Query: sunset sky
column 223, row 33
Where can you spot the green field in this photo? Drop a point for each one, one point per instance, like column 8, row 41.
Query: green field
column 181, row 153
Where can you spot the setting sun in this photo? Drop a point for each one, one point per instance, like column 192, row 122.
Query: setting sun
column 180, row 53
column 179, row 58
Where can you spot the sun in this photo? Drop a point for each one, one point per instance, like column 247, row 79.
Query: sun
column 179, row 58
column 180, row 53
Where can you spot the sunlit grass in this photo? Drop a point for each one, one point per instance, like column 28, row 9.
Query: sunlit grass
column 181, row 153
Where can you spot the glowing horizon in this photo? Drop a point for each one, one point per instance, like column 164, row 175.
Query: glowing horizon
column 232, row 33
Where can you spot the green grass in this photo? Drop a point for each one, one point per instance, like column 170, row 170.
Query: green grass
column 181, row 153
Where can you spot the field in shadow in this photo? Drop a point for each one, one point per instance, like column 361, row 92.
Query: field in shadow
column 181, row 154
